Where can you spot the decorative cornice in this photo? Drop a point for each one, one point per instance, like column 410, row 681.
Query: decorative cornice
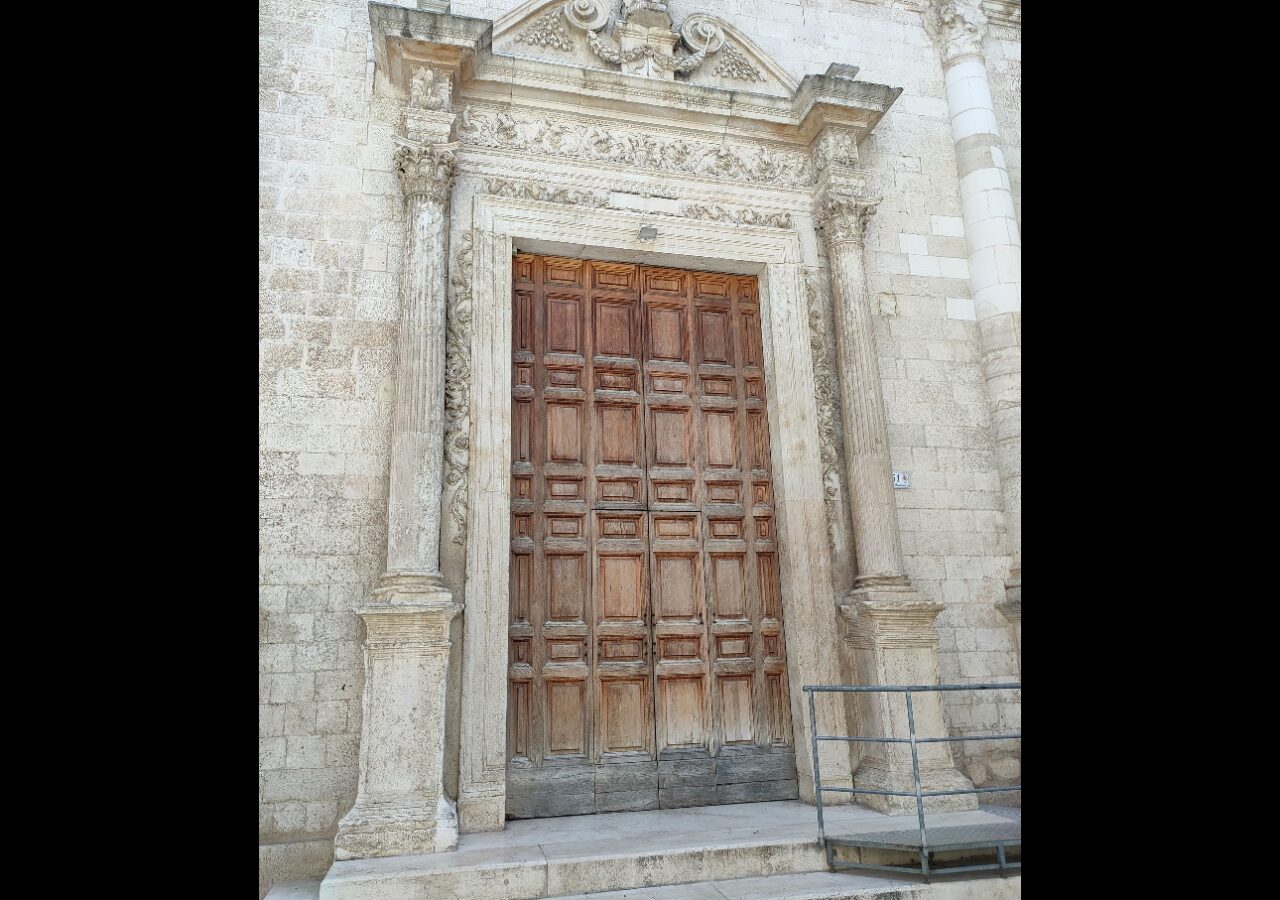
column 742, row 216
column 957, row 27
column 1004, row 12
column 426, row 169
column 843, row 218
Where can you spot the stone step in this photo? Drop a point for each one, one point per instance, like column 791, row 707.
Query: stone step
column 576, row 855
column 819, row 886
column 803, row 886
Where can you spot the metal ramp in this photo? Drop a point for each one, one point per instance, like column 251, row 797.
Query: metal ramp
column 922, row 840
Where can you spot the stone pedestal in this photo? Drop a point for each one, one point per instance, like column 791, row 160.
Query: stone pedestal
column 893, row 641
column 400, row 807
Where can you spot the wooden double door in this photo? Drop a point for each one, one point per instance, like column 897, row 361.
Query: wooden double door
column 647, row 664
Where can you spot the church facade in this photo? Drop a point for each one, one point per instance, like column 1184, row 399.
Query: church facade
column 625, row 366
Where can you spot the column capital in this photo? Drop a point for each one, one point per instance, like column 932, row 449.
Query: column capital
column 842, row 216
column 957, row 27
column 427, row 169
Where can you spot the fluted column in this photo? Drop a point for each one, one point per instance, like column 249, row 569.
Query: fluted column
column 401, row 806
column 995, row 257
column 890, row 629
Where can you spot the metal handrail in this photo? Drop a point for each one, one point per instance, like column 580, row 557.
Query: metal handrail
column 911, row 739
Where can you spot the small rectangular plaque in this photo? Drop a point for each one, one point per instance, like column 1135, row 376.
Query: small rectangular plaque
column 902, row 479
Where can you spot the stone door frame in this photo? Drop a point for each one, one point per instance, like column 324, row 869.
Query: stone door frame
column 500, row 225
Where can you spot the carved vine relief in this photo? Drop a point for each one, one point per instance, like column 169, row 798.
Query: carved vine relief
column 824, row 380
column 457, row 386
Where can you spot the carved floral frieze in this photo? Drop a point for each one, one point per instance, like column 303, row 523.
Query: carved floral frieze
column 743, row 216
column 536, row 190
column 539, row 135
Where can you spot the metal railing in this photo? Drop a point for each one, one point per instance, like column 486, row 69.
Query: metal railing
column 957, row 837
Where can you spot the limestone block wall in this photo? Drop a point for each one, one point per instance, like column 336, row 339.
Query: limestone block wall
column 330, row 232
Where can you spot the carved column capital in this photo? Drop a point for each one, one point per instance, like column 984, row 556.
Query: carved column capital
column 427, row 169
column 843, row 218
column 957, row 27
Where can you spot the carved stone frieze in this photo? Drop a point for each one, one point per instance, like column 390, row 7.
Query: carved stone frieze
column 426, row 169
column 533, row 190
column 742, row 216
column 734, row 64
column 548, row 31
column 539, row 135
column 457, row 386
column 843, row 217
column 428, row 90
column 957, row 27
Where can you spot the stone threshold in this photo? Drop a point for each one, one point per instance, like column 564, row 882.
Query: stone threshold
column 576, row 855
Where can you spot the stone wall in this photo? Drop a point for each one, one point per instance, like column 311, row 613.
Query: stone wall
column 330, row 223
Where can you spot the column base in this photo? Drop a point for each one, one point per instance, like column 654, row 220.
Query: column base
column 875, row 775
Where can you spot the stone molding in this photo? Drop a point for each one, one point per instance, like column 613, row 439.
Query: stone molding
column 403, row 627
column 957, row 27
column 426, row 169
column 900, row 619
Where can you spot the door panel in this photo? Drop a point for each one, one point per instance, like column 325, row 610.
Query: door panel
column 645, row 655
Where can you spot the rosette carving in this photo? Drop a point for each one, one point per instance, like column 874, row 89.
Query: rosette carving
column 587, row 15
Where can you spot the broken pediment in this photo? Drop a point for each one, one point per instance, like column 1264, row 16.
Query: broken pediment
column 639, row 38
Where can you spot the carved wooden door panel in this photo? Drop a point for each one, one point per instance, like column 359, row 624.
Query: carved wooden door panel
column 646, row 654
